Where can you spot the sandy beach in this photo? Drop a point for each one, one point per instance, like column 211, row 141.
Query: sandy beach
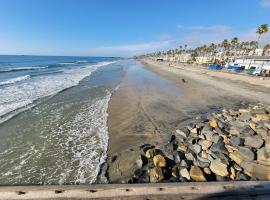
column 154, row 100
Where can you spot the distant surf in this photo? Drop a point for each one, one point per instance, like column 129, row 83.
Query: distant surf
column 24, row 93
column 14, row 80
column 54, row 119
column 14, row 69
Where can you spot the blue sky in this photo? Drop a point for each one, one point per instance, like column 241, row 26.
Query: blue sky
column 124, row 27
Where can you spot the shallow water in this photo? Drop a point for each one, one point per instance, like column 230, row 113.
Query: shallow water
column 63, row 137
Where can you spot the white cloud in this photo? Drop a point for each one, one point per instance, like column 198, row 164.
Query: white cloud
column 265, row 3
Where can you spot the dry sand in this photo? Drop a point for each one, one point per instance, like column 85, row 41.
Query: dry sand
column 154, row 100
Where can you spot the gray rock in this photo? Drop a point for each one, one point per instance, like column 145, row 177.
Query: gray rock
column 190, row 126
column 240, row 176
column 201, row 164
column 183, row 163
column 262, row 132
column 221, row 178
column 221, row 125
column 210, row 157
column 189, row 156
column 203, row 159
column 221, row 131
column 235, row 131
column 195, row 148
column 207, row 128
column 168, row 150
column 181, row 133
column 243, row 154
column 245, row 117
column 216, row 138
column 254, row 141
column 176, row 157
column 184, row 173
column 247, row 131
column 201, row 136
column 267, row 125
column 208, row 135
column 237, row 167
column 263, row 155
column 237, row 141
column 219, row 147
column 259, row 111
column 220, row 156
column 206, row 144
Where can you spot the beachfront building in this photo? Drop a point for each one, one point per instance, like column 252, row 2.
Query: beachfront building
column 203, row 59
column 253, row 61
column 183, row 57
column 260, row 52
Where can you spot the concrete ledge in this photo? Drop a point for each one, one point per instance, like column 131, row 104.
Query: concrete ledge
column 168, row 191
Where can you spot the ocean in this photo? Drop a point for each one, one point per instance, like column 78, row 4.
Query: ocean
column 53, row 117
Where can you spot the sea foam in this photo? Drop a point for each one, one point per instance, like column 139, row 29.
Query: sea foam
column 14, row 80
column 24, row 93
column 13, row 69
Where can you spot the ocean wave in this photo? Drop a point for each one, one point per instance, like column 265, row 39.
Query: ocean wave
column 14, row 80
column 14, row 69
column 81, row 142
column 67, row 63
column 94, row 120
column 81, row 61
column 16, row 96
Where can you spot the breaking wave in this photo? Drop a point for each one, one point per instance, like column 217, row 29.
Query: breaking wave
column 14, row 69
column 24, row 93
column 14, row 80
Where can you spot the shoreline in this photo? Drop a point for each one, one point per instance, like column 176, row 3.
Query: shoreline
column 139, row 113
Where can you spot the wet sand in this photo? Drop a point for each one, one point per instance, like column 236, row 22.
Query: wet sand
column 154, row 100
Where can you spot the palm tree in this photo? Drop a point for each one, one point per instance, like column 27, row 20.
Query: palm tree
column 242, row 48
column 253, row 45
column 185, row 47
column 266, row 48
column 225, row 45
column 261, row 30
column 234, row 45
column 212, row 50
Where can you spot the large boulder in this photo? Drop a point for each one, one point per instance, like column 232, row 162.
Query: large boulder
column 254, row 141
column 197, row 174
column 219, row 168
column 243, row 154
column 159, row 161
column 184, row 173
column 263, row 155
column 156, row 175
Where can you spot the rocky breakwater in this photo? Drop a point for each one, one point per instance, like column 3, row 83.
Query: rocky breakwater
column 226, row 146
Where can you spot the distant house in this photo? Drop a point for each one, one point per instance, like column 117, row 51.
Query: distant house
column 204, row 59
column 253, row 61
column 183, row 57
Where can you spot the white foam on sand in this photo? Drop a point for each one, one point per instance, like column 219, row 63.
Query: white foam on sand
column 78, row 147
column 24, row 93
column 93, row 129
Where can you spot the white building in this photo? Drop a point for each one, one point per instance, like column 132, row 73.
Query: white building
column 253, row 61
